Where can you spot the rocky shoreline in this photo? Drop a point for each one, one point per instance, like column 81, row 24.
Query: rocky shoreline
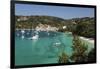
column 45, row 27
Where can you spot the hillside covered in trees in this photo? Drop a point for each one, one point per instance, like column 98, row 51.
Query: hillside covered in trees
column 81, row 26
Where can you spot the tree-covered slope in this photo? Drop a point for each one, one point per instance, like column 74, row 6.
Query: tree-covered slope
column 81, row 26
column 85, row 27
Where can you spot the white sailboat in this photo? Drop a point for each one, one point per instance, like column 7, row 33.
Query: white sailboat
column 22, row 36
column 35, row 37
column 48, row 33
column 57, row 44
column 22, row 31
column 17, row 34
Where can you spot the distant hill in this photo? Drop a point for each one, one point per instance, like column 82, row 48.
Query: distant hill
column 81, row 26
column 33, row 21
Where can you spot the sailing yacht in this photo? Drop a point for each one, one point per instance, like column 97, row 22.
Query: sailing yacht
column 35, row 37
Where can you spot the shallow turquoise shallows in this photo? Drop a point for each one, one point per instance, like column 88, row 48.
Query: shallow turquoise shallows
column 45, row 49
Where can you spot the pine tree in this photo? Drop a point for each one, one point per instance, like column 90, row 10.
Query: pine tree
column 63, row 58
column 79, row 50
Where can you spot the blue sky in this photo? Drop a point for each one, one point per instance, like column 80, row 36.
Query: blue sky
column 57, row 11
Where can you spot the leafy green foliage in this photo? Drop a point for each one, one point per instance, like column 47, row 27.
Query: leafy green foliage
column 79, row 51
column 85, row 27
column 63, row 58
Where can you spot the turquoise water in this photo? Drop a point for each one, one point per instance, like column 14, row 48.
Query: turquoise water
column 43, row 50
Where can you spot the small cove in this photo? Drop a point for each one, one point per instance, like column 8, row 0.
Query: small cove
column 44, row 50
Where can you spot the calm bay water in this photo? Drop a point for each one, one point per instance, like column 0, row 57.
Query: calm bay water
column 43, row 50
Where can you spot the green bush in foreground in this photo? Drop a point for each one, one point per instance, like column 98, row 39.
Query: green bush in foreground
column 63, row 58
column 79, row 51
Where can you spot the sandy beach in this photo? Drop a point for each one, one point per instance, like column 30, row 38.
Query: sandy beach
column 87, row 39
